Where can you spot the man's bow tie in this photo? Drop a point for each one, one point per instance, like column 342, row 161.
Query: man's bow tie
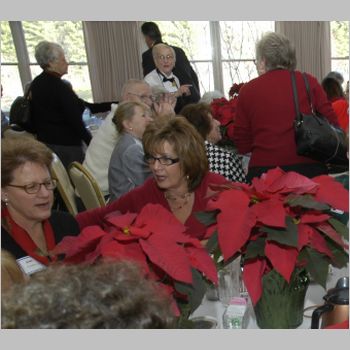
column 168, row 79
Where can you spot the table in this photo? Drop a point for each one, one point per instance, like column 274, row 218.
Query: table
column 314, row 298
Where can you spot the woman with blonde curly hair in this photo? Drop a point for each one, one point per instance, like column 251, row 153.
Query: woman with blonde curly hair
column 176, row 155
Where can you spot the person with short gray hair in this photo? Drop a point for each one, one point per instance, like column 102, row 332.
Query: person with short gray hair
column 264, row 125
column 56, row 109
column 164, row 59
column 47, row 52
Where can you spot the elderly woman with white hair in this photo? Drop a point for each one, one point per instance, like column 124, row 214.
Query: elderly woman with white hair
column 264, row 124
column 56, row 109
column 164, row 58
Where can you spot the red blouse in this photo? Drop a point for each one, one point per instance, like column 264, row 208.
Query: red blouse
column 23, row 239
column 149, row 192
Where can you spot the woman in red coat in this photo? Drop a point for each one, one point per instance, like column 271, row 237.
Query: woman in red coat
column 266, row 113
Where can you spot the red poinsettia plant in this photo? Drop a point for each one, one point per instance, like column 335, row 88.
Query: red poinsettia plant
column 165, row 253
column 282, row 221
column 224, row 111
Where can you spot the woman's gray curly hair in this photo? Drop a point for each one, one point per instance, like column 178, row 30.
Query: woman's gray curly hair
column 46, row 52
column 277, row 51
column 103, row 295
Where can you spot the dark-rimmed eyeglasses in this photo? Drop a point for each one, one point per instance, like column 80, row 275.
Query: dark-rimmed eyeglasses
column 35, row 187
column 162, row 160
column 144, row 97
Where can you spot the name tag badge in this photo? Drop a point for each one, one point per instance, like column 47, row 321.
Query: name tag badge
column 29, row 265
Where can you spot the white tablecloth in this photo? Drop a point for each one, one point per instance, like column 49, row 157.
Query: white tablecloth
column 314, row 296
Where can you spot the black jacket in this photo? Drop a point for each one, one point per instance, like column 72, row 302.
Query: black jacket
column 57, row 112
column 63, row 224
column 183, row 70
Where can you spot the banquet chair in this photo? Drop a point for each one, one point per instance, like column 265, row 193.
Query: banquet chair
column 64, row 185
column 14, row 131
column 86, row 186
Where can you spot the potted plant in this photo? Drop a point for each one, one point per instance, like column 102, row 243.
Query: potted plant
column 283, row 228
column 165, row 253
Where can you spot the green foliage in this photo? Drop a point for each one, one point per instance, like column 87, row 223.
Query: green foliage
column 288, row 236
column 340, row 228
column 305, row 201
column 340, row 257
column 316, row 264
column 255, row 248
column 194, row 292
column 207, row 218
column 8, row 53
column 340, row 34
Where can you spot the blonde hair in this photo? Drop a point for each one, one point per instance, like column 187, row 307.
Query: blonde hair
column 16, row 152
column 126, row 111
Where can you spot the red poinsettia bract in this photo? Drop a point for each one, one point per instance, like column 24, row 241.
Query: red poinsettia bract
column 281, row 221
column 154, row 238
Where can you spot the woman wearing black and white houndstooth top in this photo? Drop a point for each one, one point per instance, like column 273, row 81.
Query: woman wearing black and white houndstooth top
column 221, row 161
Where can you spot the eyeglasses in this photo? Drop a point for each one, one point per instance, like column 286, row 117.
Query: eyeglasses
column 35, row 187
column 162, row 160
column 168, row 57
column 144, row 97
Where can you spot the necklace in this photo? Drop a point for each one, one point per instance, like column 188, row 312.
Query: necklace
column 177, row 201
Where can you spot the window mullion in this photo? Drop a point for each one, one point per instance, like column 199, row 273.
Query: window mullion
column 21, row 52
column 216, row 55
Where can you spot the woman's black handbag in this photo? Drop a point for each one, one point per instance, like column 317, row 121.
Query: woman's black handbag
column 20, row 113
column 315, row 137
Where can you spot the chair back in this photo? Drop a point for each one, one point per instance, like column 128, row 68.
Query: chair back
column 14, row 131
column 86, row 186
column 64, row 186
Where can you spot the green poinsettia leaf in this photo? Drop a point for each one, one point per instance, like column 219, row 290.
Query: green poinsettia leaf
column 340, row 228
column 212, row 243
column 305, row 201
column 317, row 266
column 340, row 256
column 207, row 218
column 287, row 236
column 194, row 292
column 255, row 248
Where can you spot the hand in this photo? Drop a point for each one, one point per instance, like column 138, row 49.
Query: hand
column 165, row 105
column 184, row 89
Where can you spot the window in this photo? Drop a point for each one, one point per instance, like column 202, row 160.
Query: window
column 70, row 36
column 222, row 53
column 340, row 48
column 10, row 79
column 66, row 33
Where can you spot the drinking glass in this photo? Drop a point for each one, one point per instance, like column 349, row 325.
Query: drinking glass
column 229, row 281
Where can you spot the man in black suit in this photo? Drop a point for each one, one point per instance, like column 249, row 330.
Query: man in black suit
column 183, row 69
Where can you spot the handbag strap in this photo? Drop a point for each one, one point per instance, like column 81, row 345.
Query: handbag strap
column 27, row 94
column 306, row 80
column 298, row 118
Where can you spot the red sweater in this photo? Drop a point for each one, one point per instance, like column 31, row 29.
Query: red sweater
column 265, row 116
column 149, row 192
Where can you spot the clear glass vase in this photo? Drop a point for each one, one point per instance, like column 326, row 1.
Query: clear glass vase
column 281, row 304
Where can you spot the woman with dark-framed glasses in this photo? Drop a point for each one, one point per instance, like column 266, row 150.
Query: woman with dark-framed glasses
column 29, row 230
column 176, row 155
